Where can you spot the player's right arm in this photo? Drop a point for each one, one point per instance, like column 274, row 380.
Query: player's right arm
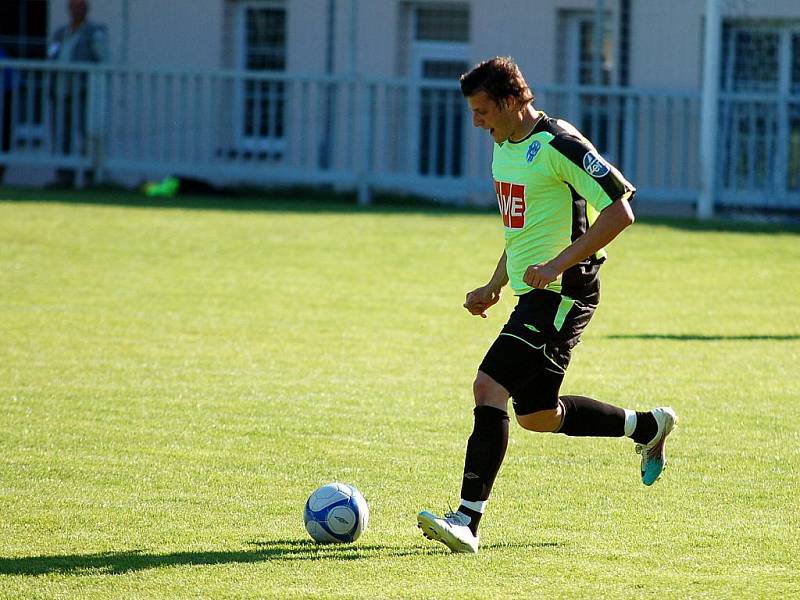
column 480, row 299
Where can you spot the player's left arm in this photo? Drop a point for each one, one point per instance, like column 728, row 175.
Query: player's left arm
column 609, row 224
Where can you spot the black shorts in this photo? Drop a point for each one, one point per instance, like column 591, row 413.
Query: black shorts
column 530, row 356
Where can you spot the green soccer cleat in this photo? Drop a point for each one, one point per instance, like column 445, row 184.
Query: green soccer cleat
column 654, row 456
column 452, row 530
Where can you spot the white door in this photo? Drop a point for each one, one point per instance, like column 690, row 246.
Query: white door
column 588, row 112
column 441, row 112
column 439, row 54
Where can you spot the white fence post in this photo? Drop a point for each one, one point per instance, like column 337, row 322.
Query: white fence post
column 365, row 149
column 710, row 111
column 96, row 124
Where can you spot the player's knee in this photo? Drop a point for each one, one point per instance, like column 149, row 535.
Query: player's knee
column 544, row 421
column 481, row 388
column 488, row 392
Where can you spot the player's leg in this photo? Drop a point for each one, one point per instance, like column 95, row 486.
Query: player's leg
column 580, row 416
column 539, row 407
column 588, row 417
column 583, row 416
column 486, row 449
column 536, row 405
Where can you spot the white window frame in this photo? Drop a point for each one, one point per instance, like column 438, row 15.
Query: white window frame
column 573, row 19
column 780, row 160
column 575, row 109
column 254, row 143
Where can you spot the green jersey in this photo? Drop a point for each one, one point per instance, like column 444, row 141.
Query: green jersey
column 550, row 187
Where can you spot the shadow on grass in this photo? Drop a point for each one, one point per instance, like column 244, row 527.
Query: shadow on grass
column 704, row 338
column 115, row 563
column 320, row 200
column 136, row 560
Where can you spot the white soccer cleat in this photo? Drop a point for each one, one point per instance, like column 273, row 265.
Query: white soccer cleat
column 452, row 530
column 654, row 455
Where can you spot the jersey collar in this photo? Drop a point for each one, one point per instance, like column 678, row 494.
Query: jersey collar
column 538, row 127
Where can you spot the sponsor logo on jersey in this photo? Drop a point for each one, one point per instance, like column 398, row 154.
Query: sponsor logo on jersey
column 511, row 199
column 594, row 165
column 533, row 150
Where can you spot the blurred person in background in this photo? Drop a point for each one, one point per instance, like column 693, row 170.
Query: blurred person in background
column 80, row 41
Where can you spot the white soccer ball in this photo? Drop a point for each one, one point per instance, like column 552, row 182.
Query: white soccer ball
column 336, row 513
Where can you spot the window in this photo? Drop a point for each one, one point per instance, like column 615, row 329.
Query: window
column 23, row 35
column 576, row 61
column 441, row 24
column 750, row 60
column 760, row 133
column 577, row 65
column 263, row 101
column 265, row 37
column 23, row 28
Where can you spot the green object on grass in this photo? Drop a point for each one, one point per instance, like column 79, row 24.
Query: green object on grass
column 166, row 188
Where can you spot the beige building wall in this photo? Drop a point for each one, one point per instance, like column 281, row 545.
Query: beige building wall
column 307, row 30
column 188, row 34
column 525, row 30
column 528, row 31
column 376, row 35
column 665, row 46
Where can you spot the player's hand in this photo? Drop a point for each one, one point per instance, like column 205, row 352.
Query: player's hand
column 480, row 299
column 540, row 275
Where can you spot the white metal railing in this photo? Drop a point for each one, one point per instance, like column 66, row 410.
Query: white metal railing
column 651, row 135
column 412, row 136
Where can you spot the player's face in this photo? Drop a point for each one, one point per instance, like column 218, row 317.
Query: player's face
column 497, row 119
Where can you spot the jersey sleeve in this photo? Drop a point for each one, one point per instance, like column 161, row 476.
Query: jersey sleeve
column 580, row 165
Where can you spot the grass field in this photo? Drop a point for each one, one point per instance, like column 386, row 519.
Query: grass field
column 175, row 380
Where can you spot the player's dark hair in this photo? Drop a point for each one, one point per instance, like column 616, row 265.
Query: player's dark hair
column 500, row 78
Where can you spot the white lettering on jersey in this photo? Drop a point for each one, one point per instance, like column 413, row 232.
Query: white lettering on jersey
column 511, row 200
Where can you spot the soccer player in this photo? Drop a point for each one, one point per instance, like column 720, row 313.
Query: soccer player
column 561, row 203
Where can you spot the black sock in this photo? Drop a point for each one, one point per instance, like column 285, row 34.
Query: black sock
column 588, row 417
column 486, row 449
column 475, row 518
column 646, row 428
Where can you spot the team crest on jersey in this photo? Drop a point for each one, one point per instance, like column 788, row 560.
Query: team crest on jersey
column 594, row 165
column 533, row 150
column 511, row 199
